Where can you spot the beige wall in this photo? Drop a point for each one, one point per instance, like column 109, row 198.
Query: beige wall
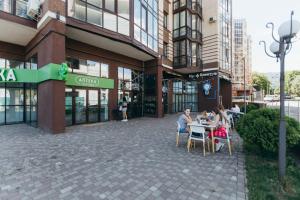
column 210, row 32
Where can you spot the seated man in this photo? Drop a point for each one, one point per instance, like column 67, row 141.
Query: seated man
column 183, row 120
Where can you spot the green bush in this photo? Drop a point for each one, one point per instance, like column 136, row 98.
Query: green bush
column 250, row 107
column 260, row 128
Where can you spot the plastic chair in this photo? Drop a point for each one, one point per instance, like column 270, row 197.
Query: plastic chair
column 198, row 134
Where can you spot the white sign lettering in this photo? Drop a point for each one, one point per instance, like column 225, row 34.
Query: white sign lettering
column 7, row 75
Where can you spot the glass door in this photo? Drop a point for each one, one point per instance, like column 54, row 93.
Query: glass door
column 93, row 106
column 69, row 106
column 80, row 104
column 104, row 105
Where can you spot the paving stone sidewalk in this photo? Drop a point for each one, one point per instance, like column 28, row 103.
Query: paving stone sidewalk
column 130, row 160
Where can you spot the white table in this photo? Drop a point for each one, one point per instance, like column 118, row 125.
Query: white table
column 208, row 126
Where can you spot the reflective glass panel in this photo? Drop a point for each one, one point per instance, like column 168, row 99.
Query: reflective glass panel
column 93, row 105
column 110, row 21
column 104, row 70
column 123, row 26
column 14, row 114
column 94, row 15
column 123, row 8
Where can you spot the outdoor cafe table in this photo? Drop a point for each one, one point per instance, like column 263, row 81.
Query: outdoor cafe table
column 206, row 126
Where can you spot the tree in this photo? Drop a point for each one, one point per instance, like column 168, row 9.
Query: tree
column 261, row 81
column 292, row 81
column 295, row 86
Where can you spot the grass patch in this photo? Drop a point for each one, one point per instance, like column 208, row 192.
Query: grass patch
column 262, row 177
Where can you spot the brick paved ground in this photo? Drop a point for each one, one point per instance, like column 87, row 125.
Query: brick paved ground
column 115, row 160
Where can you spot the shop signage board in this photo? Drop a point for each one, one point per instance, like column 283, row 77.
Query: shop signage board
column 204, row 74
column 53, row 72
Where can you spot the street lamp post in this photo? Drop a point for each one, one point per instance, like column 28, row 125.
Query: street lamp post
column 280, row 48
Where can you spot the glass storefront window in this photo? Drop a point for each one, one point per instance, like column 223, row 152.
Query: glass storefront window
column 93, row 105
column 14, row 96
column 104, row 70
column 104, row 105
column 93, row 68
column 80, row 102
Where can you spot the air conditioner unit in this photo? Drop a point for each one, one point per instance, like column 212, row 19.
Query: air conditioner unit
column 212, row 20
column 33, row 8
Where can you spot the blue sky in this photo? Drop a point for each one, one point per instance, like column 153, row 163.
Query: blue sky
column 258, row 13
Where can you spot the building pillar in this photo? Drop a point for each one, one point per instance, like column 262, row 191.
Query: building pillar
column 170, row 96
column 113, row 93
column 51, row 93
column 160, row 107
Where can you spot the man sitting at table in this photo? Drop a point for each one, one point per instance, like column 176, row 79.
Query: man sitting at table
column 183, row 120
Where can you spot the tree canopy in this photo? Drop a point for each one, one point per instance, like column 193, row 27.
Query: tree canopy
column 292, row 83
column 261, row 81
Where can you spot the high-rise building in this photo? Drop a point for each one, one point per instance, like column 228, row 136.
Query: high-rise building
column 242, row 68
column 74, row 61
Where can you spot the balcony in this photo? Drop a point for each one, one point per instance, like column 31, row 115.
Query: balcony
column 192, row 5
column 187, row 61
column 187, row 32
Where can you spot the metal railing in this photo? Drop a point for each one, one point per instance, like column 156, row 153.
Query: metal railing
column 292, row 108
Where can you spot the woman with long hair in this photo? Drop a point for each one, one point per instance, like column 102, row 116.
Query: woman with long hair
column 220, row 128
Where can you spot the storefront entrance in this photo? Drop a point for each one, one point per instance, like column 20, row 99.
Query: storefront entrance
column 86, row 105
column 18, row 103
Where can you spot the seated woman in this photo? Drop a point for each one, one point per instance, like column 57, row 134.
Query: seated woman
column 183, row 120
column 225, row 118
column 220, row 130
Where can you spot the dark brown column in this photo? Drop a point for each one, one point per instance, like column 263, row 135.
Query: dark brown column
column 51, row 93
column 160, row 111
column 170, row 96
column 113, row 93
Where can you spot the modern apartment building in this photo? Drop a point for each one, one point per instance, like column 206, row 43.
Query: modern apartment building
column 242, row 68
column 66, row 62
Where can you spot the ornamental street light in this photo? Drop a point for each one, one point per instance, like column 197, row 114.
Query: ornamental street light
column 287, row 31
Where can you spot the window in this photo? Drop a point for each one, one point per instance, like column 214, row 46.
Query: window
column 165, row 49
column 123, row 8
column 88, row 67
column 102, row 13
column 166, row 20
column 110, row 5
column 145, row 23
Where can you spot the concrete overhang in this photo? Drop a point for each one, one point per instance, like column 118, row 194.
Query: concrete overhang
column 16, row 33
column 106, row 43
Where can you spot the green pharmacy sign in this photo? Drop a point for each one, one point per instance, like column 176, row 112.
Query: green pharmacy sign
column 7, row 75
column 54, row 72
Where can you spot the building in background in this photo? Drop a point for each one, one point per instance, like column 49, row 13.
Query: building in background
column 162, row 56
column 242, row 59
column 217, row 52
column 274, row 78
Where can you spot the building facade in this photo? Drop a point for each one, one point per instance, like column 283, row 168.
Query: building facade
column 72, row 62
column 242, row 68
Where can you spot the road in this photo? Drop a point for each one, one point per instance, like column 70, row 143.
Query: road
column 292, row 108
